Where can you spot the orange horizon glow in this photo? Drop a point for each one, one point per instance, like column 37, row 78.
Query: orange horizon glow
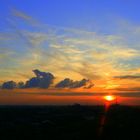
column 65, row 97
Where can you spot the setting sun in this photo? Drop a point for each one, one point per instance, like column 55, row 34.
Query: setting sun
column 109, row 98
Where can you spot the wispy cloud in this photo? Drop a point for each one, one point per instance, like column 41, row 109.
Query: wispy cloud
column 128, row 77
column 68, row 52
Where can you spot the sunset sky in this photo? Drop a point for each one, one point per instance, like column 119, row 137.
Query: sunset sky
column 93, row 39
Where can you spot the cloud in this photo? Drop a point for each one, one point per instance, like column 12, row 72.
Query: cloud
column 130, row 89
column 21, row 15
column 42, row 80
column 67, row 52
column 126, row 53
column 68, row 83
column 9, row 85
column 4, row 36
column 45, row 80
column 128, row 77
column 5, row 53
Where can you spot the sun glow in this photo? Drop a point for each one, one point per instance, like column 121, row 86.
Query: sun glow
column 109, row 98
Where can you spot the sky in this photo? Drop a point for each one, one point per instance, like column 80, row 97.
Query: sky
column 92, row 39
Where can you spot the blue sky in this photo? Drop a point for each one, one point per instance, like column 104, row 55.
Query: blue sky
column 97, row 39
column 85, row 14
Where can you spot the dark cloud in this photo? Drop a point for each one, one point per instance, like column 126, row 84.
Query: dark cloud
column 129, row 89
column 68, row 83
column 20, row 85
column 32, row 83
column 45, row 79
column 9, row 85
column 90, row 85
column 42, row 80
column 128, row 77
column 64, row 83
column 40, row 74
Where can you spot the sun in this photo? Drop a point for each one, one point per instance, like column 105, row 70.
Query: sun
column 109, row 97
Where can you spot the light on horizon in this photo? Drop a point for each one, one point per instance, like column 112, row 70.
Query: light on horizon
column 109, row 97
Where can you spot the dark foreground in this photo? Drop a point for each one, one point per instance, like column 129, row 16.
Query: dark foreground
column 69, row 122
